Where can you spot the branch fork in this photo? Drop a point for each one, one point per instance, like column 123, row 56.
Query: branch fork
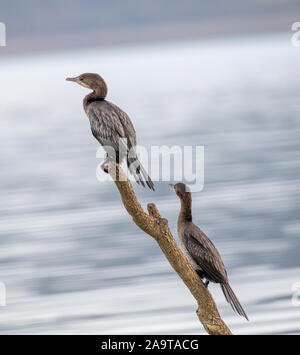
column 157, row 227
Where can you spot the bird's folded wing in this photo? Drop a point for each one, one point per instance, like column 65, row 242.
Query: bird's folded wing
column 127, row 126
column 111, row 126
column 206, row 256
column 107, row 128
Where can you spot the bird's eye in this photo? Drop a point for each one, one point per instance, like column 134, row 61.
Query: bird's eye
column 81, row 79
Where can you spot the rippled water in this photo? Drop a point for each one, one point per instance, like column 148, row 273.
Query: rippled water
column 71, row 258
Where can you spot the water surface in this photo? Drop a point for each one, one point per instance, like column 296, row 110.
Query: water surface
column 73, row 261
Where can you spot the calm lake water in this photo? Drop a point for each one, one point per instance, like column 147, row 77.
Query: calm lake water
column 71, row 258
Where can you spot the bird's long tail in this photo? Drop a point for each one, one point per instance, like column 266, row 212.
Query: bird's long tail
column 139, row 173
column 232, row 299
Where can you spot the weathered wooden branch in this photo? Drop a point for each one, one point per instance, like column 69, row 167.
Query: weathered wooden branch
column 157, row 227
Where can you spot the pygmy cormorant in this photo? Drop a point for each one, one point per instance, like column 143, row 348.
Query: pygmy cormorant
column 111, row 126
column 200, row 251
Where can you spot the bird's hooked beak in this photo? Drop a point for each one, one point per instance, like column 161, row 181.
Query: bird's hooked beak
column 76, row 79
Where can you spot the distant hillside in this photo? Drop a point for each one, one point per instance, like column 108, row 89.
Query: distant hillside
column 27, row 17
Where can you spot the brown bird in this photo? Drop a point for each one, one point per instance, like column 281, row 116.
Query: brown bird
column 200, row 251
column 111, row 127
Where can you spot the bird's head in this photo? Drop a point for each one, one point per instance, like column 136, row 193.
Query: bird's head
column 91, row 81
column 182, row 191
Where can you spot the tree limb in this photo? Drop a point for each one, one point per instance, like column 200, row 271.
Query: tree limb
column 157, row 227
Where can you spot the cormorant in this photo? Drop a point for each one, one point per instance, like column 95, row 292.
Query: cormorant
column 111, row 127
column 200, row 251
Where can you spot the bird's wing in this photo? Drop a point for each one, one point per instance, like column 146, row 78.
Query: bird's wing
column 129, row 130
column 109, row 123
column 107, row 127
column 205, row 255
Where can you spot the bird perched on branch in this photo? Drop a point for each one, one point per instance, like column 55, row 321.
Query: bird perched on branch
column 200, row 251
column 111, row 127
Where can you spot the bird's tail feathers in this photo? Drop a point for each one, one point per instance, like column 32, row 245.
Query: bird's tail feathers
column 139, row 173
column 232, row 300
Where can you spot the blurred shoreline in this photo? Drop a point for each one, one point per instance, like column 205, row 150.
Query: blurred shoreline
column 229, row 27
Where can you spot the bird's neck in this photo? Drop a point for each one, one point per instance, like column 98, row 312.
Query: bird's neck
column 96, row 95
column 185, row 214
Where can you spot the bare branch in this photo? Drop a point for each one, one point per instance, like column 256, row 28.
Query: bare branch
column 157, row 227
